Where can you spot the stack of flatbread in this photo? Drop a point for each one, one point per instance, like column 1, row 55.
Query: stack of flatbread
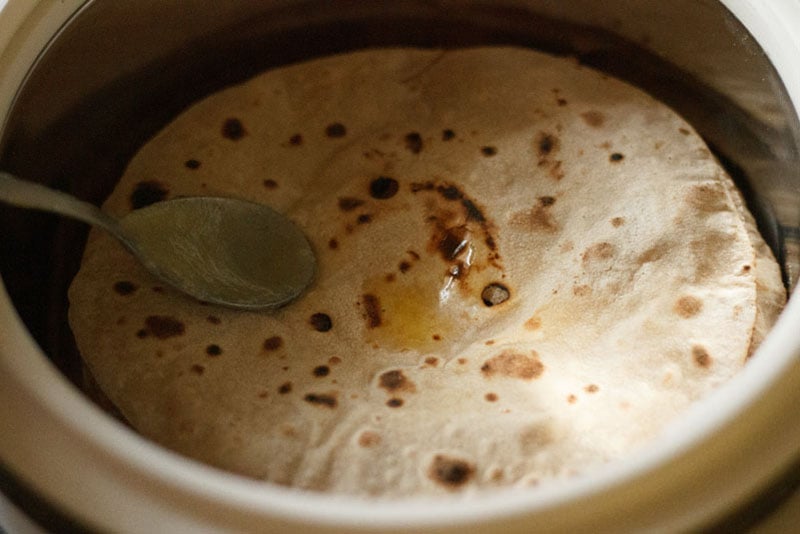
column 526, row 269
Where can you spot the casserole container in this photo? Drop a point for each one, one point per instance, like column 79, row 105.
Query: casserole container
column 84, row 84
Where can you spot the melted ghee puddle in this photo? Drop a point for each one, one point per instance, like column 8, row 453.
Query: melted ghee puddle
column 421, row 310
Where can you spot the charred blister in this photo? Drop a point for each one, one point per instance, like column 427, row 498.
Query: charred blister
column 233, row 129
column 701, row 356
column 273, row 343
column 494, row 294
column 452, row 242
column 383, row 187
column 372, row 310
column 161, row 327
column 321, row 322
column 395, row 380
column 414, row 142
column 452, row 473
column 125, row 288
column 335, row 130
column 349, row 203
column 546, row 144
column 394, row 402
column 321, row 371
column 327, row 400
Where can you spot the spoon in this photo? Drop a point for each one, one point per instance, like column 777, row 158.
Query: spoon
column 219, row 250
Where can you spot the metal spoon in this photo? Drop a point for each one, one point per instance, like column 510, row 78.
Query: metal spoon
column 219, row 250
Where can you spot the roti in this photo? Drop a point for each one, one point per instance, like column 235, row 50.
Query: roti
column 527, row 269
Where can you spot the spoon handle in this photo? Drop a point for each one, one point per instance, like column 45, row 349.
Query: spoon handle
column 25, row 194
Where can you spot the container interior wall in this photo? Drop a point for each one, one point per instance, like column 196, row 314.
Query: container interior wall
column 119, row 71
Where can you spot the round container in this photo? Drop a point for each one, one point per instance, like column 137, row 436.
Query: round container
column 83, row 84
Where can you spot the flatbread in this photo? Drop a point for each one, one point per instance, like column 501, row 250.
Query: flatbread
column 526, row 269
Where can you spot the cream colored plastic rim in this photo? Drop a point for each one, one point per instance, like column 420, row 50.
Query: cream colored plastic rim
column 98, row 472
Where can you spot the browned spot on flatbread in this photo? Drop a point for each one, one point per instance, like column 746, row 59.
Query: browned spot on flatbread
column 494, row 294
column 349, row 203
column 414, row 142
column 394, row 381
column 125, row 288
column 654, row 253
column 233, row 129
column 336, row 129
column 593, row 118
column 383, row 187
column 321, row 370
column 546, row 144
column 285, row 388
column 273, row 343
column 270, row 184
column 192, row 164
column 712, row 254
column 592, row 388
column 581, row 290
column 369, row 439
column 372, row 310
column 598, row 252
column 701, row 356
column 448, row 134
column 489, row 151
column 538, row 218
column 534, row 323
column 213, row 350
column 162, row 327
column 514, row 364
column 198, row 369
column 491, row 397
column 707, row 197
column 321, row 322
column 616, row 222
column 452, row 473
column 394, row 402
column 328, row 400
column 688, row 306
column 450, row 242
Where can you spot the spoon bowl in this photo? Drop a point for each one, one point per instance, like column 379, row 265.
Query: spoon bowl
column 219, row 250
